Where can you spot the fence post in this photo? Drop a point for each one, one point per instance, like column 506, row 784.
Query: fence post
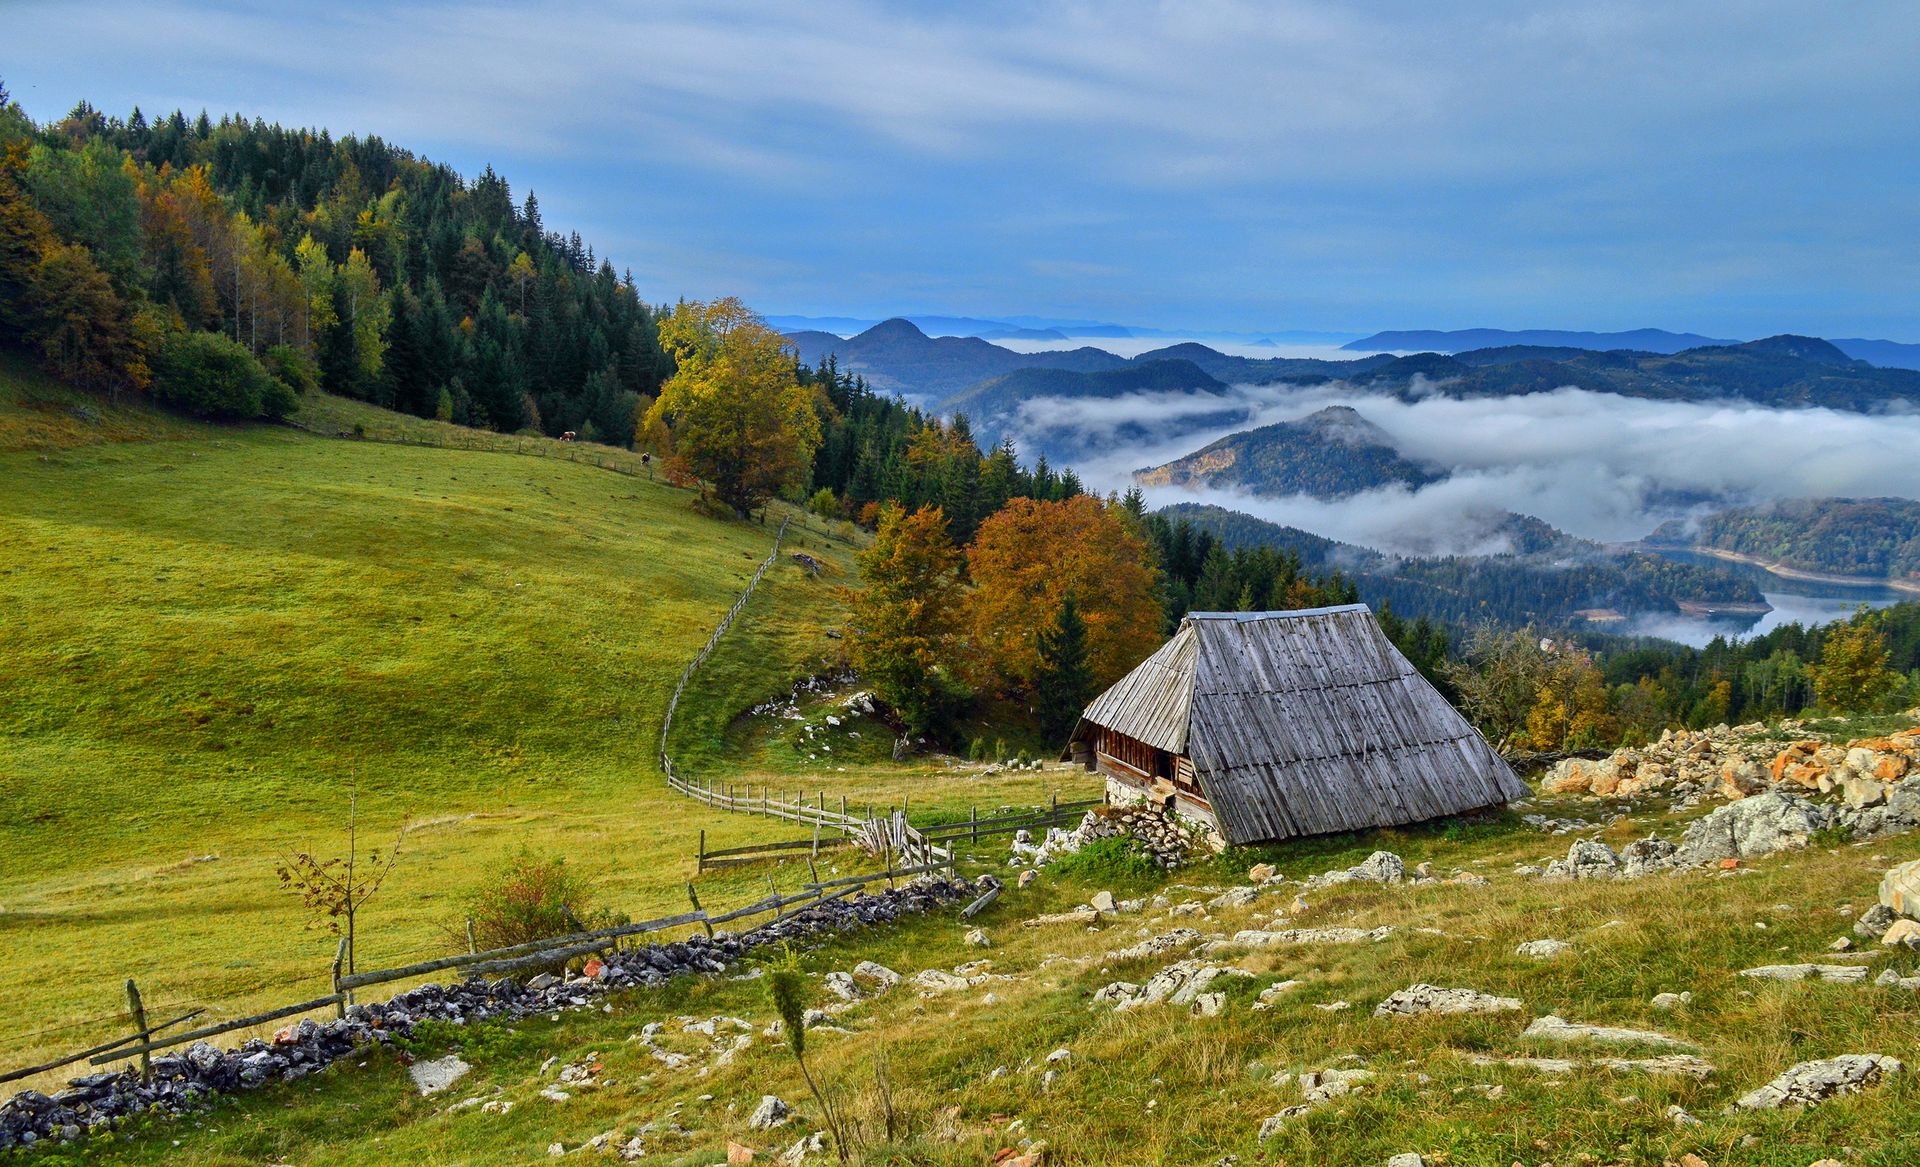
column 471, row 948
column 816, row 845
column 973, row 822
column 702, row 864
column 339, row 958
column 695, row 901
column 843, row 806
column 139, row 1012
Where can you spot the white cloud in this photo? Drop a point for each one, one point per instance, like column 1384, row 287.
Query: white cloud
column 1596, row 465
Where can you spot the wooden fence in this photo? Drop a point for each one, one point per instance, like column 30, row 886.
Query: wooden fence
column 549, row 951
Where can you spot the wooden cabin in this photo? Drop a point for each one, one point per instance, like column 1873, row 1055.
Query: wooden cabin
column 1273, row 725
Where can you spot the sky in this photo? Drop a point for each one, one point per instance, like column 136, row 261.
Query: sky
column 1736, row 169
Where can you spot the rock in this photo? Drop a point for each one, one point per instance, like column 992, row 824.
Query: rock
column 738, row 1154
column 1873, row 924
column 543, row 981
column 1103, row 902
column 1326, row 1085
column 1166, row 943
column 804, row 1149
column 1812, row 1082
column 431, row 1077
column 1679, row 1116
column 1027, row 877
column 977, row 938
column 1060, row 1055
column 1238, row 897
column 771, row 1113
column 1080, row 915
column 1645, row 855
column 841, row 985
column 1760, row 825
column 1741, row 778
column 1556, row 1028
column 1260, row 873
column 1849, row 974
column 878, row 974
column 1209, row 1004
column 1900, row 889
column 1843, row 944
column 1903, row 933
column 1181, row 983
column 1587, row 859
column 1381, row 867
column 1687, row 1064
column 1406, row 1159
column 1424, row 998
column 1255, row 938
column 1672, row 1000
column 1275, row 1122
column 1543, row 949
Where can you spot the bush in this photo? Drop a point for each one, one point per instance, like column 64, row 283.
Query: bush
column 208, row 375
column 1117, row 859
column 530, row 898
column 298, row 370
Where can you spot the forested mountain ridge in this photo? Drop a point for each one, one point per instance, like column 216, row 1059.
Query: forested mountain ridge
column 351, row 262
column 1549, row 578
column 1332, row 453
column 1867, row 537
column 993, row 407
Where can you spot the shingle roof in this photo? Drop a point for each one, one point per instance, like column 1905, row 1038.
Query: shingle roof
column 1300, row 723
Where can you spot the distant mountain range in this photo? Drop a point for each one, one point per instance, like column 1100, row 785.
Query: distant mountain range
column 1334, row 453
column 896, row 357
column 1885, row 353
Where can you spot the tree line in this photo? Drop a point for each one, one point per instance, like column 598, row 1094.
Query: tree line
column 350, row 265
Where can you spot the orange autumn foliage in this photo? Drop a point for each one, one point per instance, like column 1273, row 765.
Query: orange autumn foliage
column 1026, row 559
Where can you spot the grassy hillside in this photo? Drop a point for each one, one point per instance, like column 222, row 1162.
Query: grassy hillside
column 1155, row 1085
column 205, row 643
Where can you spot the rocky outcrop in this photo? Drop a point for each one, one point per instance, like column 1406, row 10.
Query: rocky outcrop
column 1742, row 762
column 1423, row 998
column 1812, row 1082
column 1754, row 826
column 1900, row 890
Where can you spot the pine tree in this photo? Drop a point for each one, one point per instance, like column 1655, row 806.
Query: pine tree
column 1064, row 683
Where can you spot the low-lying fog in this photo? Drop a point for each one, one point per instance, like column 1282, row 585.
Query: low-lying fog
column 1596, row 465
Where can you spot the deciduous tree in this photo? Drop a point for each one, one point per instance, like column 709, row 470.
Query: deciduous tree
column 1025, row 561
column 907, row 620
column 740, row 417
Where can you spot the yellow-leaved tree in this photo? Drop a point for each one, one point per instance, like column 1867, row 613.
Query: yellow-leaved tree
column 739, row 417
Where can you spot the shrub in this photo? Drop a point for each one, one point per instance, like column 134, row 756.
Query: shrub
column 1117, row 859
column 530, row 898
column 208, row 375
column 298, row 370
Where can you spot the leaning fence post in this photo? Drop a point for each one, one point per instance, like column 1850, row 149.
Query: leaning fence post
column 139, row 1013
column 339, row 958
column 704, row 922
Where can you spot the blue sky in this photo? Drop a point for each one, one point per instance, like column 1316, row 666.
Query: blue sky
column 1735, row 169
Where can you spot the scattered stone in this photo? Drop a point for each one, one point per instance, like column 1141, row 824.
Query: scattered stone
column 1843, row 944
column 1761, row 825
column 1407, row 1159
column 977, row 938
column 1688, row 1064
column 1254, row 938
column 1060, row 1055
column 1902, row 933
column 1081, row 915
column 431, row 1077
column 1334, row 1006
column 1166, row 943
column 1556, row 1028
column 1026, row 877
column 1672, row 1000
column 1849, row 974
column 738, row 1155
column 1272, row 993
column 1238, row 897
column 1586, row 859
column 1812, row 1082
column 771, row 1113
column 1900, row 889
column 878, row 974
column 841, row 985
column 1103, row 902
column 1424, row 998
column 1543, row 949
column 1182, row 983
column 1261, row 873
column 1679, row 1116
column 1275, row 1122
column 804, row 1149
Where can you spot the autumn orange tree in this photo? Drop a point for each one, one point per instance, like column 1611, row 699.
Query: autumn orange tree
column 907, row 621
column 1025, row 561
column 738, row 413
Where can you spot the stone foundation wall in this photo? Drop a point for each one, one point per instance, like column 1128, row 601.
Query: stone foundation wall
column 1204, row 830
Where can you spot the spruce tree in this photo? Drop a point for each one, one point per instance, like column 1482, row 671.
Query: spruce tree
column 1064, row 683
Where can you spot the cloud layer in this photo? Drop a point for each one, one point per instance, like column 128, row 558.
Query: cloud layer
column 1596, row 465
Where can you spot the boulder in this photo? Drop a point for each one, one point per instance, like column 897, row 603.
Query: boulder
column 879, row 974
column 1902, row 934
column 1424, row 998
column 435, row 1075
column 1900, row 889
column 1543, row 949
column 1812, row 1082
column 1556, row 1028
column 1760, row 825
column 1645, row 855
column 1103, row 902
column 1741, row 779
column 1846, row 974
column 771, row 1112
column 1586, row 859
column 1875, row 921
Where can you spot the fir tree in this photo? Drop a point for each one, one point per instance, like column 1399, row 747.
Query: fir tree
column 1064, row 683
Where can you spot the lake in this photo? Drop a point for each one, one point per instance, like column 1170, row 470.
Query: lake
column 1794, row 602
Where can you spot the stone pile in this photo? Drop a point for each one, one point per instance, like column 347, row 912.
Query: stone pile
column 188, row 1080
column 1155, row 831
column 1742, row 762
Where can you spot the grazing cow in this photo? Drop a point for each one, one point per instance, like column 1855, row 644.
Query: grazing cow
column 567, row 437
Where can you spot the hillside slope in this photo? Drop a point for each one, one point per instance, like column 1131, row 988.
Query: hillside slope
column 209, row 641
column 1332, row 453
column 1866, row 537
